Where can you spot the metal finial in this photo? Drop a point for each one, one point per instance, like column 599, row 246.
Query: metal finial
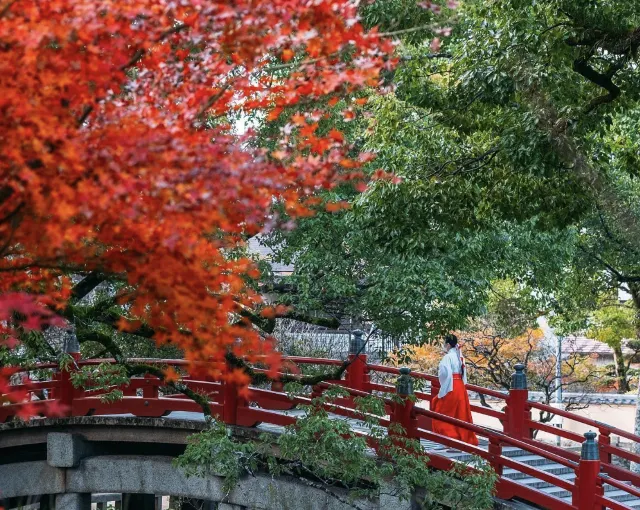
column 404, row 384
column 590, row 447
column 356, row 345
column 71, row 343
column 519, row 378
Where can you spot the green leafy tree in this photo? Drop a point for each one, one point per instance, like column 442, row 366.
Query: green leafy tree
column 614, row 323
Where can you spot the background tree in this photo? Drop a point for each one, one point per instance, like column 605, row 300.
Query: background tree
column 514, row 160
column 614, row 324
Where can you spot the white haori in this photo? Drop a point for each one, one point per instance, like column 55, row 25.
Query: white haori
column 449, row 365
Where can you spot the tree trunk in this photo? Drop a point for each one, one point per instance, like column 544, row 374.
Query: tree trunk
column 621, row 369
column 635, row 296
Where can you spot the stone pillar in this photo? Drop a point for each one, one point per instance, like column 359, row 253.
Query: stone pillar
column 65, row 450
column 73, row 501
column 138, row 502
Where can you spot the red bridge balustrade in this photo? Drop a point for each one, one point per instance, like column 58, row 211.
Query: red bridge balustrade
column 594, row 467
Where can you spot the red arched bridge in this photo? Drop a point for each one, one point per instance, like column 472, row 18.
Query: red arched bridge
column 530, row 470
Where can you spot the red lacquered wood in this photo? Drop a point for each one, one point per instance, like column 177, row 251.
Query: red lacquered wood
column 488, row 412
column 635, row 491
column 611, row 504
column 567, row 434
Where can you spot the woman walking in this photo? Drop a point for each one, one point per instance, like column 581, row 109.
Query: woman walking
column 452, row 399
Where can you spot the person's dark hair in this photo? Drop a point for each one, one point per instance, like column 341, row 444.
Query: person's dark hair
column 451, row 339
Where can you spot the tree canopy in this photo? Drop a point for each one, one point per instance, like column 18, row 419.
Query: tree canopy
column 513, row 143
column 121, row 161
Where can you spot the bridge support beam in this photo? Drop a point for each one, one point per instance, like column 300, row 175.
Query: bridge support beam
column 73, row 501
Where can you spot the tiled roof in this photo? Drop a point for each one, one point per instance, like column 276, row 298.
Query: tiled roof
column 582, row 398
column 584, row 345
column 265, row 253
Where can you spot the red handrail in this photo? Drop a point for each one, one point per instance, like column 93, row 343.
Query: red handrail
column 586, row 421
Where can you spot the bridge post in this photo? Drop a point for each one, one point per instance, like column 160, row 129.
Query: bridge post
column 66, row 389
column 516, row 411
column 402, row 412
column 588, row 484
column 357, row 374
column 604, row 441
column 73, row 501
column 229, row 403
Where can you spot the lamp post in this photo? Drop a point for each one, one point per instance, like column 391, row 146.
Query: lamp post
column 558, row 419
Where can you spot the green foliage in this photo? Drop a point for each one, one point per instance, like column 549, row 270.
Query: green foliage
column 515, row 166
column 105, row 377
column 215, row 451
column 613, row 322
column 463, row 488
column 321, row 447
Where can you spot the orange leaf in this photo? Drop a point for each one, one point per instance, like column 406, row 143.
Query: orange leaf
column 337, row 206
column 287, row 55
column 298, row 119
column 170, row 375
column 348, row 115
column 274, row 114
column 268, row 313
column 336, row 135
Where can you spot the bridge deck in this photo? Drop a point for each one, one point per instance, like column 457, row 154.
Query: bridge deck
column 539, row 462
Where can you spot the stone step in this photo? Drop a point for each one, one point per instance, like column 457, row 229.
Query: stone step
column 552, row 468
column 543, row 464
column 541, row 484
column 619, row 496
column 535, row 461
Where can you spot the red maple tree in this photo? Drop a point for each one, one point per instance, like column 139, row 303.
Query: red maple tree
column 119, row 156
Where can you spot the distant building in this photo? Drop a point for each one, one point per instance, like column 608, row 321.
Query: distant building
column 599, row 352
column 302, row 338
column 265, row 253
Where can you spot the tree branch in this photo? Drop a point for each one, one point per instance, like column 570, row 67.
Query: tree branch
column 141, row 369
column 87, row 284
column 601, row 80
column 6, row 7
column 619, row 276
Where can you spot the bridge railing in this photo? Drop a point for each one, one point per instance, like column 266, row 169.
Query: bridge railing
column 144, row 396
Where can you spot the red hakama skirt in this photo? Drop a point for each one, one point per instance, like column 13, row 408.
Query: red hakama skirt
column 456, row 405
